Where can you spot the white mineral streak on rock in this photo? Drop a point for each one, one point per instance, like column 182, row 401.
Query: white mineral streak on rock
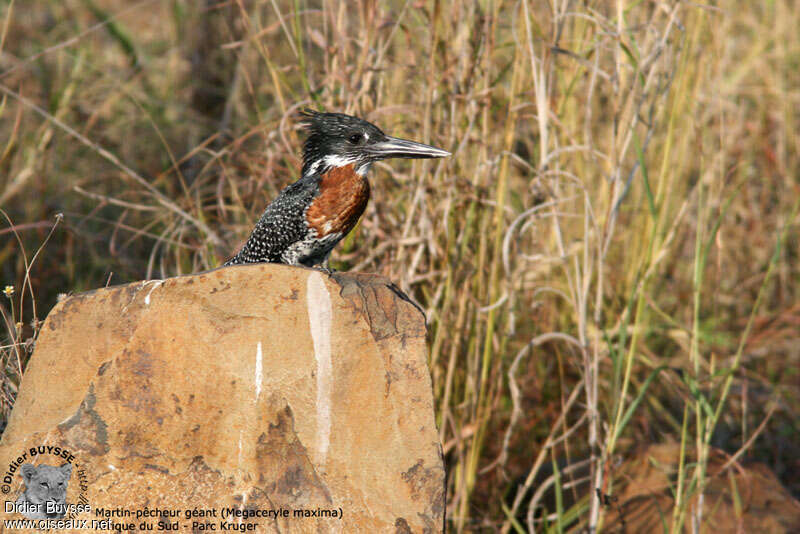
column 155, row 284
column 320, row 318
column 259, row 378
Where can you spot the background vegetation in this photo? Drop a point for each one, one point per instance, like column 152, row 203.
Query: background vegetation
column 609, row 259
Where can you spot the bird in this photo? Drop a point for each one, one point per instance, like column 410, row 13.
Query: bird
column 303, row 224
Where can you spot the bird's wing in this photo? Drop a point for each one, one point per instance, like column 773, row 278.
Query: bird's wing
column 282, row 224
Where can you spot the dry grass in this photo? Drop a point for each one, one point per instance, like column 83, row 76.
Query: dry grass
column 609, row 257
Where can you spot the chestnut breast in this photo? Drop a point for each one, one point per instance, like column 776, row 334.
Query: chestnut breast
column 342, row 198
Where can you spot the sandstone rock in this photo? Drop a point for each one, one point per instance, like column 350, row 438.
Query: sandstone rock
column 258, row 387
column 738, row 499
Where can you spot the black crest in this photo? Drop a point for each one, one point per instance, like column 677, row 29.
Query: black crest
column 336, row 134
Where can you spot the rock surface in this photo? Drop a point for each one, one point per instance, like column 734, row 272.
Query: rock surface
column 740, row 498
column 250, row 388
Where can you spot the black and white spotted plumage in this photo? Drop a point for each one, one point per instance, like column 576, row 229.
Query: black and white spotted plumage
column 336, row 144
column 282, row 234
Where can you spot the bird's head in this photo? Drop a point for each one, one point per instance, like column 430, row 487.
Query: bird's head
column 337, row 140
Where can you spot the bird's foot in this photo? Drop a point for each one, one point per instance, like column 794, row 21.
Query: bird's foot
column 325, row 269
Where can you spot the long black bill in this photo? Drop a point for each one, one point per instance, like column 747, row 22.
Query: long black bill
column 394, row 147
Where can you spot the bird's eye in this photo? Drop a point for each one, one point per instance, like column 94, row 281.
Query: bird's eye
column 355, row 138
